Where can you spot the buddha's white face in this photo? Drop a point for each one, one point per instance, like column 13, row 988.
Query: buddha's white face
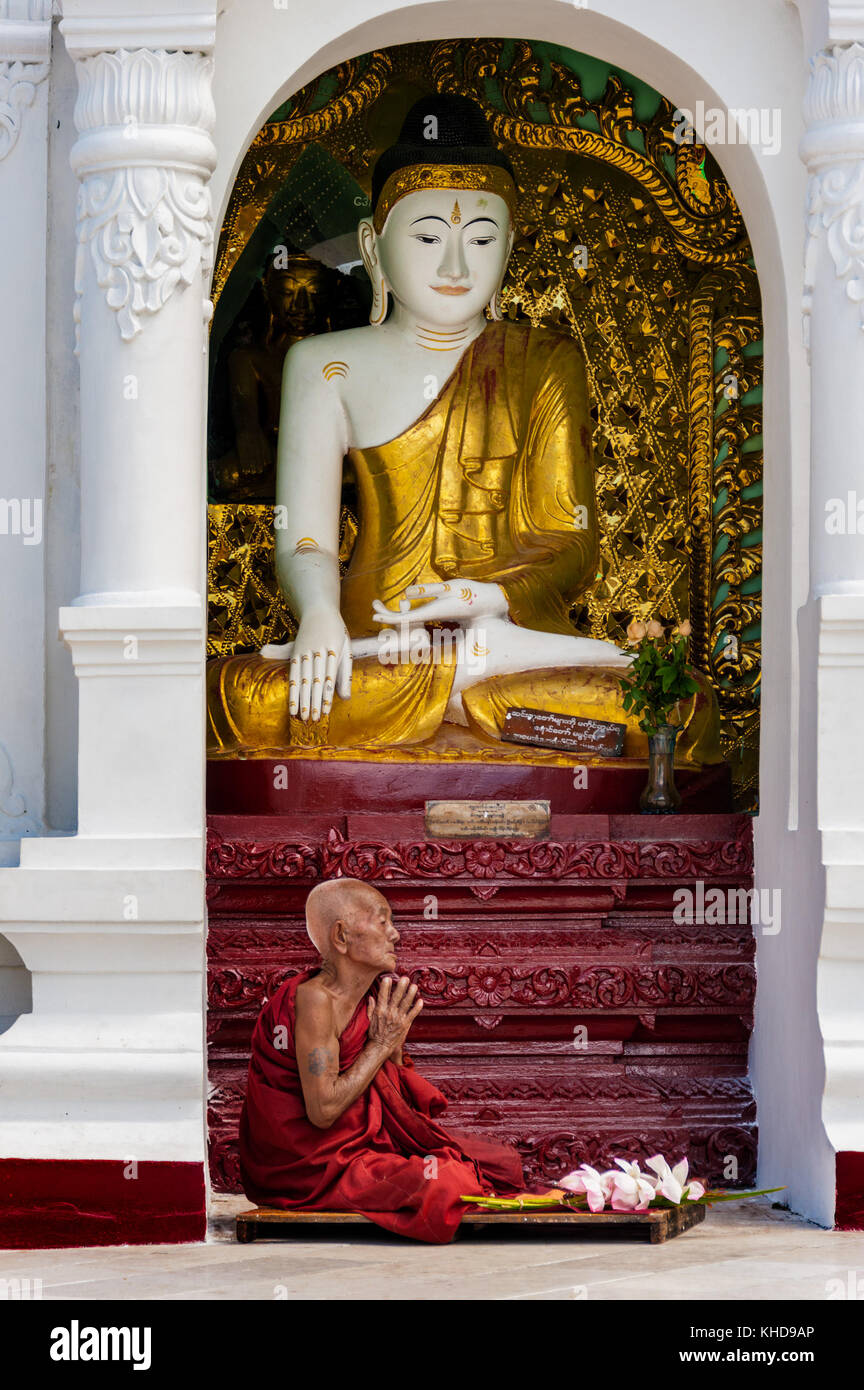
column 443, row 252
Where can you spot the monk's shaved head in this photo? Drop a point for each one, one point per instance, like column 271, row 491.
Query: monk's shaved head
column 339, row 899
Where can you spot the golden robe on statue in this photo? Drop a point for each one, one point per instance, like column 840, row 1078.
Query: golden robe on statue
column 494, row 482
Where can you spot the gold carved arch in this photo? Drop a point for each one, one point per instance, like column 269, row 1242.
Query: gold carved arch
column 634, row 244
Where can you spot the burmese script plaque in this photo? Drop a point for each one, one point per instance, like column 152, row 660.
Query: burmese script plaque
column 594, row 737
column 502, row 820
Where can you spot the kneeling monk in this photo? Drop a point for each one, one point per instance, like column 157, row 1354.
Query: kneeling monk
column 335, row 1117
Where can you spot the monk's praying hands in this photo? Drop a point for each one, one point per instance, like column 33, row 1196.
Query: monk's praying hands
column 391, row 1015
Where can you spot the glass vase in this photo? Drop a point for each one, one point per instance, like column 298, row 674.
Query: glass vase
column 661, row 795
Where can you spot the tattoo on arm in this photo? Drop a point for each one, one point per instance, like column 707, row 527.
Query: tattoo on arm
column 318, row 1061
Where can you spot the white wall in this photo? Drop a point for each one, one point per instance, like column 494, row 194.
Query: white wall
column 23, row 186
column 109, row 921
column 63, row 496
column 39, row 458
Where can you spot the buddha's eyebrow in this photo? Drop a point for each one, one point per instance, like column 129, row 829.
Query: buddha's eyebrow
column 429, row 217
column 481, row 219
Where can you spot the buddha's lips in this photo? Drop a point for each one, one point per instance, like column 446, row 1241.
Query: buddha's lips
column 450, row 289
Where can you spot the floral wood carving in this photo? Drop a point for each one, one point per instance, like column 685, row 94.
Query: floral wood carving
column 337, row 857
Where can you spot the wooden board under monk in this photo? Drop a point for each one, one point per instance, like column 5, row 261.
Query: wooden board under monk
column 653, row 1226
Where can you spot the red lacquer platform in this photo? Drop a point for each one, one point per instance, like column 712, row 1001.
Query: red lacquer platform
column 566, row 1010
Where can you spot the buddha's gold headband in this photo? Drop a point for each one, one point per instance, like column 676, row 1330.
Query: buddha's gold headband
column 482, row 178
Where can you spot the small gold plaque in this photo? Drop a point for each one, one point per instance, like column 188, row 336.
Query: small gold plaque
column 498, row 820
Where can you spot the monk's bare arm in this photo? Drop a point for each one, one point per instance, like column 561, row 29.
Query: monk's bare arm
column 327, row 1093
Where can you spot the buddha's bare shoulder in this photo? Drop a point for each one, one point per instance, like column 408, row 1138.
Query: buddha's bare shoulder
column 333, row 354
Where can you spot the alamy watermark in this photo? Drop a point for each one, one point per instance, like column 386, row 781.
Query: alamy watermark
column 20, row 1290
column 844, row 516
column 758, row 907
column 22, row 516
column 758, row 127
column 407, row 644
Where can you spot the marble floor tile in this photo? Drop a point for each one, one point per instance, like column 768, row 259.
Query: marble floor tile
column 743, row 1253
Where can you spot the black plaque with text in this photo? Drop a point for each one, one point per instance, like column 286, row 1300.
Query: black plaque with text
column 594, row 737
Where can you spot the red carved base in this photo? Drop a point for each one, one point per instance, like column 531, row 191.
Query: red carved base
column 54, row 1203
column 849, row 1215
column 566, row 1010
column 264, row 786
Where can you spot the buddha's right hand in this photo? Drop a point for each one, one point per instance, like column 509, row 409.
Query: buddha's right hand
column 320, row 664
column 466, row 601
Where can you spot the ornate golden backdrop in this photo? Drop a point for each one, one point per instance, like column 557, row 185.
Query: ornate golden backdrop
column 632, row 243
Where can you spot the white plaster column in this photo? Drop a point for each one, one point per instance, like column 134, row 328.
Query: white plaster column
column 110, row 922
column 833, row 150
column 25, row 48
column 145, row 234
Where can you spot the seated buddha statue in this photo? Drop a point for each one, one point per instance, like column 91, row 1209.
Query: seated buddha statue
column 469, row 440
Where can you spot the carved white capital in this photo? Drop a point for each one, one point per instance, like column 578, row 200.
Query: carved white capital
column 25, row 49
column 144, row 158
column 833, row 150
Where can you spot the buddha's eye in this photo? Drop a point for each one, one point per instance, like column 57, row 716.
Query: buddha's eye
column 426, row 238
column 481, row 240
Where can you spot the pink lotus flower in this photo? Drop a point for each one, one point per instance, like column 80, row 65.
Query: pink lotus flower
column 672, row 1182
column 597, row 1187
column 632, row 1190
column 636, row 630
column 655, row 629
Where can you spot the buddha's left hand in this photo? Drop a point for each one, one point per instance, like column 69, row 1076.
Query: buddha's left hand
column 461, row 600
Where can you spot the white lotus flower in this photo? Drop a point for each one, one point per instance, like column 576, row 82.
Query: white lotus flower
column 597, row 1187
column 632, row 1190
column 672, row 1182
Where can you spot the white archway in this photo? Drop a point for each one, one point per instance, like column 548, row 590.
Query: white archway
column 687, row 65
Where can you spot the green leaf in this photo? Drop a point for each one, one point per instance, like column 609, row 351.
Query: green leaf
column 711, row 1197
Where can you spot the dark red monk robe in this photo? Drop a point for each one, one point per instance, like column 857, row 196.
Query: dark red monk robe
column 385, row 1156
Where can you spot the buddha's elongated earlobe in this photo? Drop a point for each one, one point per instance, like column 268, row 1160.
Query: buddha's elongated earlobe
column 494, row 306
column 380, row 300
column 380, row 288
